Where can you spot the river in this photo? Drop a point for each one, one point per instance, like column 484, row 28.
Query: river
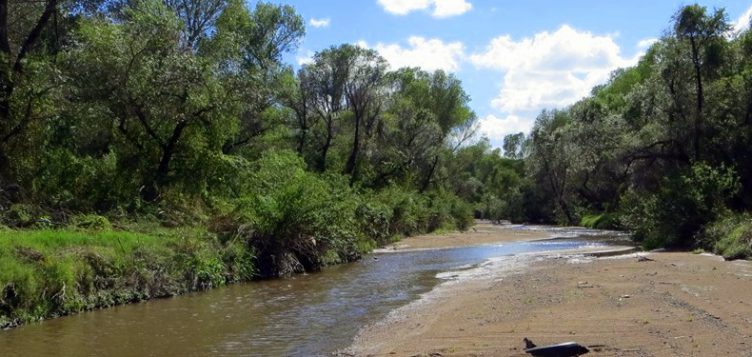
column 307, row 315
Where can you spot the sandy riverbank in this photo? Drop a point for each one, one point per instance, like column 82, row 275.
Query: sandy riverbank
column 483, row 232
column 680, row 304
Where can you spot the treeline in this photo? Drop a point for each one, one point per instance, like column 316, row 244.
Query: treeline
column 145, row 115
column 664, row 149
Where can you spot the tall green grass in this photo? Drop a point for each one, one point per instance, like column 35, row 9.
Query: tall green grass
column 48, row 273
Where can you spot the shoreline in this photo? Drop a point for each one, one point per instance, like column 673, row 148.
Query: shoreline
column 482, row 233
column 678, row 303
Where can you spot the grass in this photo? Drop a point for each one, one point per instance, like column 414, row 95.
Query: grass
column 49, row 273
column 731, row 236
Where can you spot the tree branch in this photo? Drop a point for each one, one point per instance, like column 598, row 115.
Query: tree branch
column 34, row 34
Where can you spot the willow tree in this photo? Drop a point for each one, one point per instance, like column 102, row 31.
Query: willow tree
column 705, row 34
column 326, row 78
column 22, row 79
column 171, row 109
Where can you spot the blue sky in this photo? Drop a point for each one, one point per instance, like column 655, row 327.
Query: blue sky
column 514, row 57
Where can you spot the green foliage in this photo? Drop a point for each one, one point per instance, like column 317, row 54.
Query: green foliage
column 90, row 222
column 600, row 221
column 730, row 236
column 684, row 204
column 295, row 217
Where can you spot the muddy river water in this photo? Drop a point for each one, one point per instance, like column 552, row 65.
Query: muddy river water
column 308, row 315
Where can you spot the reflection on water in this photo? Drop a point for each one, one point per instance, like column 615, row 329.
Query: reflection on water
column 312, row 314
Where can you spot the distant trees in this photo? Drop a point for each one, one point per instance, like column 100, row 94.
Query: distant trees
column 662, row 149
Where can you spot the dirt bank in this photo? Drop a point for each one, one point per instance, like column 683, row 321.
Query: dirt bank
column 680, row 304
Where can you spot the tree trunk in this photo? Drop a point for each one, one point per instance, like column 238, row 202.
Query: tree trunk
column 152, row 189
column 350, row 167
column 6, row 84
column 302, row 140
column 327, row 144
column 427, row 179
column 700, row 97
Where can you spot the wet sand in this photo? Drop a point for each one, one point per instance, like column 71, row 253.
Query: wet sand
column 680, row 304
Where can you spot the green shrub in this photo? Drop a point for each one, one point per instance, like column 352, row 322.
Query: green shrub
column 19, row 215
column 680, row 209
column 91, row 222
column 600, row 221
column 730, row 236
column 375, row 218
column 297, row 218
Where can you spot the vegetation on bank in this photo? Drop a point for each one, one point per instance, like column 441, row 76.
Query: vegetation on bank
column 296, row 221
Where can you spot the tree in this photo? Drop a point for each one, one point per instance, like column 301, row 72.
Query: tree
column 164, row 102
column 449, row 103
column 326, row 78
column 247, row 46
column 514, row 146
column 295, row 94
column 705, row 33
column 364, row 96
column 17, row 111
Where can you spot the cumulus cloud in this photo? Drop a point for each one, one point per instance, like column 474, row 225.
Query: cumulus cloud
column 305, row 58
column 742, row 23
column 438, row 8
column 320, row 22
column 548, row 70
column 495, row 128
column 429, row 54
column 448, row 8
column 646, row 43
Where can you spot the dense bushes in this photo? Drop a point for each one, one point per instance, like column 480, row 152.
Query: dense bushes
column 683, row 205
column 730, row 236
column 298, row 220
column 275, row 218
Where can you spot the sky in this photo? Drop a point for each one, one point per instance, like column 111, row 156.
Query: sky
column 514, row 58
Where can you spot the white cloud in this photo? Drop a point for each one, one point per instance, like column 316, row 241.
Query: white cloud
column 495, row 128
column 320, row 22
column 439, row 8
column 404, row 7
column 429, row 54
column 304, row 59
column 742, row 23
column 551, row 69
column 646, row 43
column 448, row 8
column 547, row 70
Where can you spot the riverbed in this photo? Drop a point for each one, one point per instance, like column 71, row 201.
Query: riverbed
column 308, row 315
